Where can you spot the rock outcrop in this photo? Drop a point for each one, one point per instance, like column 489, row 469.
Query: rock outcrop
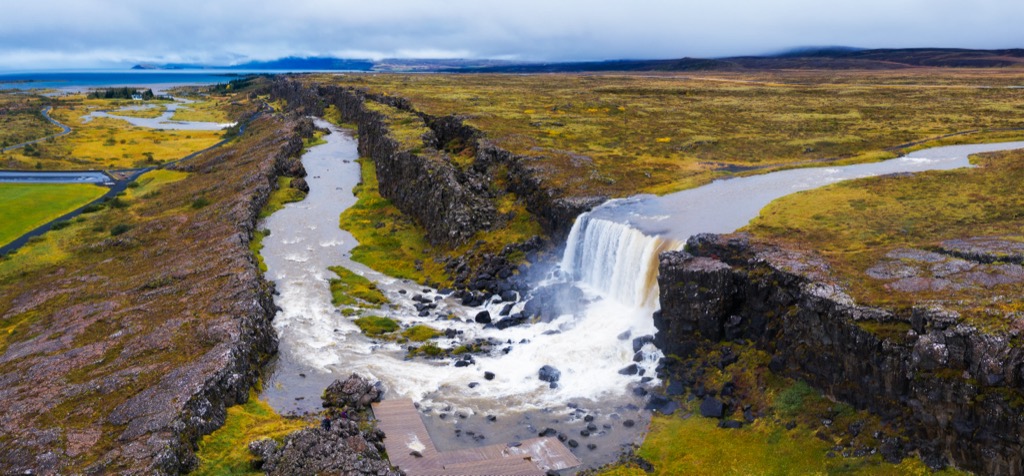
column 957, row 390
column 342, row 444
column 452, row 203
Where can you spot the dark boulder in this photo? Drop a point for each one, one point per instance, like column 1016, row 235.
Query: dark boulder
column 511, row 321
column 483, row 317
column 711, row 407
column 639, row 342
column 353, row 393
column 300, row 185
column 548, row 373
column 732, row 424
column 660, row 404
column 509, row 296
column 632, row 369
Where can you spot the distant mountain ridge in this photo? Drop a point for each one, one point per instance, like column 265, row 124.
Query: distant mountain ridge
column 284, row 64
column 826, row 57
column 835, row 58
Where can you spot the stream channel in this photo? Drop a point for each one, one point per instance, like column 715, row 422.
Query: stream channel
column 607, row 366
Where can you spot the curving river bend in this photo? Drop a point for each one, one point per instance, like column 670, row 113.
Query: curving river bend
column 611, row 256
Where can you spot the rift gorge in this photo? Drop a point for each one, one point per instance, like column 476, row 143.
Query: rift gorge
column 491, row 274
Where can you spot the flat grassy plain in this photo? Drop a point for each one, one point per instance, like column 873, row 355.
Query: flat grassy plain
column 625, row 134
column 24, row 207
column 209, row 109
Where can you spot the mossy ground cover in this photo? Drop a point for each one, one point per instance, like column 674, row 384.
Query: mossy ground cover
column 392, row 243
column 788, row 435
column 697, row 446
column 351, row 289
column 855, row 224
column 283, row 195
column 23, row 207
column 624, row 134
column 389, row 241
column 226, row 450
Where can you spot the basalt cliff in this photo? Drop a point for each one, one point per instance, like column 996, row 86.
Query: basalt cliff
column 955, row 389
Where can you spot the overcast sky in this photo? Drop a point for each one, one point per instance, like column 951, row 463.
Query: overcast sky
column 110, row 33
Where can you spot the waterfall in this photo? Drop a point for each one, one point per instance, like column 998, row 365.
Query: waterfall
column 615, row 259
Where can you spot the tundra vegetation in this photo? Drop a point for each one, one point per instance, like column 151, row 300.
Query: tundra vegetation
column 868, row 230
column 619, row 135
column 21, row 120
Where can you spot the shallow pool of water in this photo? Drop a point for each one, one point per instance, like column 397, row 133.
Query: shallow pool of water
column 54, row 177
column 163, row 121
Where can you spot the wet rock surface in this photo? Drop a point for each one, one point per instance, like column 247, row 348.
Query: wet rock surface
column 343, row 443
column 950, row 386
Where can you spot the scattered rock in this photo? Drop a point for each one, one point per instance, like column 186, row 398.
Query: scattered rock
column 712, row 408
column 632, row 369
column 548, row 373
column 483, row 317
column 731, row 424
column 353, row 393
column 639, row 342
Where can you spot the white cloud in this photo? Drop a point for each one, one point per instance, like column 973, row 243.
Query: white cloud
column 98, row 32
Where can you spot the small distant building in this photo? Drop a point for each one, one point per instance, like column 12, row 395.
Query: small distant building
column 136, row 97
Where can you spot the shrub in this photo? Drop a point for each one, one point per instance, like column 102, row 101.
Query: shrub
column 119, row 229
column 200, row 202
column 791, row 400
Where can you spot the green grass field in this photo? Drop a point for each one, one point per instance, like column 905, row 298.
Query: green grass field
column 23, row 207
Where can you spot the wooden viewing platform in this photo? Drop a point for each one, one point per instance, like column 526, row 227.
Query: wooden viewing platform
column 405, row 434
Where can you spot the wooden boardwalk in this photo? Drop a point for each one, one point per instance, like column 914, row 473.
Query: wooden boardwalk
column 406, row 435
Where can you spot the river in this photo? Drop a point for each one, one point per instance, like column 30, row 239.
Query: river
column 611, row 256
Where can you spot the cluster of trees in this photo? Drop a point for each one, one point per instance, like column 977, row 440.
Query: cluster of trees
column 122, row 93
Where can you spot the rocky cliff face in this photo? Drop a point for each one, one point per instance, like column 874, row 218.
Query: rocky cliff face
column 450, row 202
column 957, row 390
column 131, row 350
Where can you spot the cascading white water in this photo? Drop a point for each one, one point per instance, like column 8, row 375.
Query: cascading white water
column 615, row 259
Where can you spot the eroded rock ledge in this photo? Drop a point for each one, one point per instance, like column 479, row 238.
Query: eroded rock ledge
column 958, row 391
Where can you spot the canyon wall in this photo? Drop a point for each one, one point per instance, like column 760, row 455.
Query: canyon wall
column 956, row 390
